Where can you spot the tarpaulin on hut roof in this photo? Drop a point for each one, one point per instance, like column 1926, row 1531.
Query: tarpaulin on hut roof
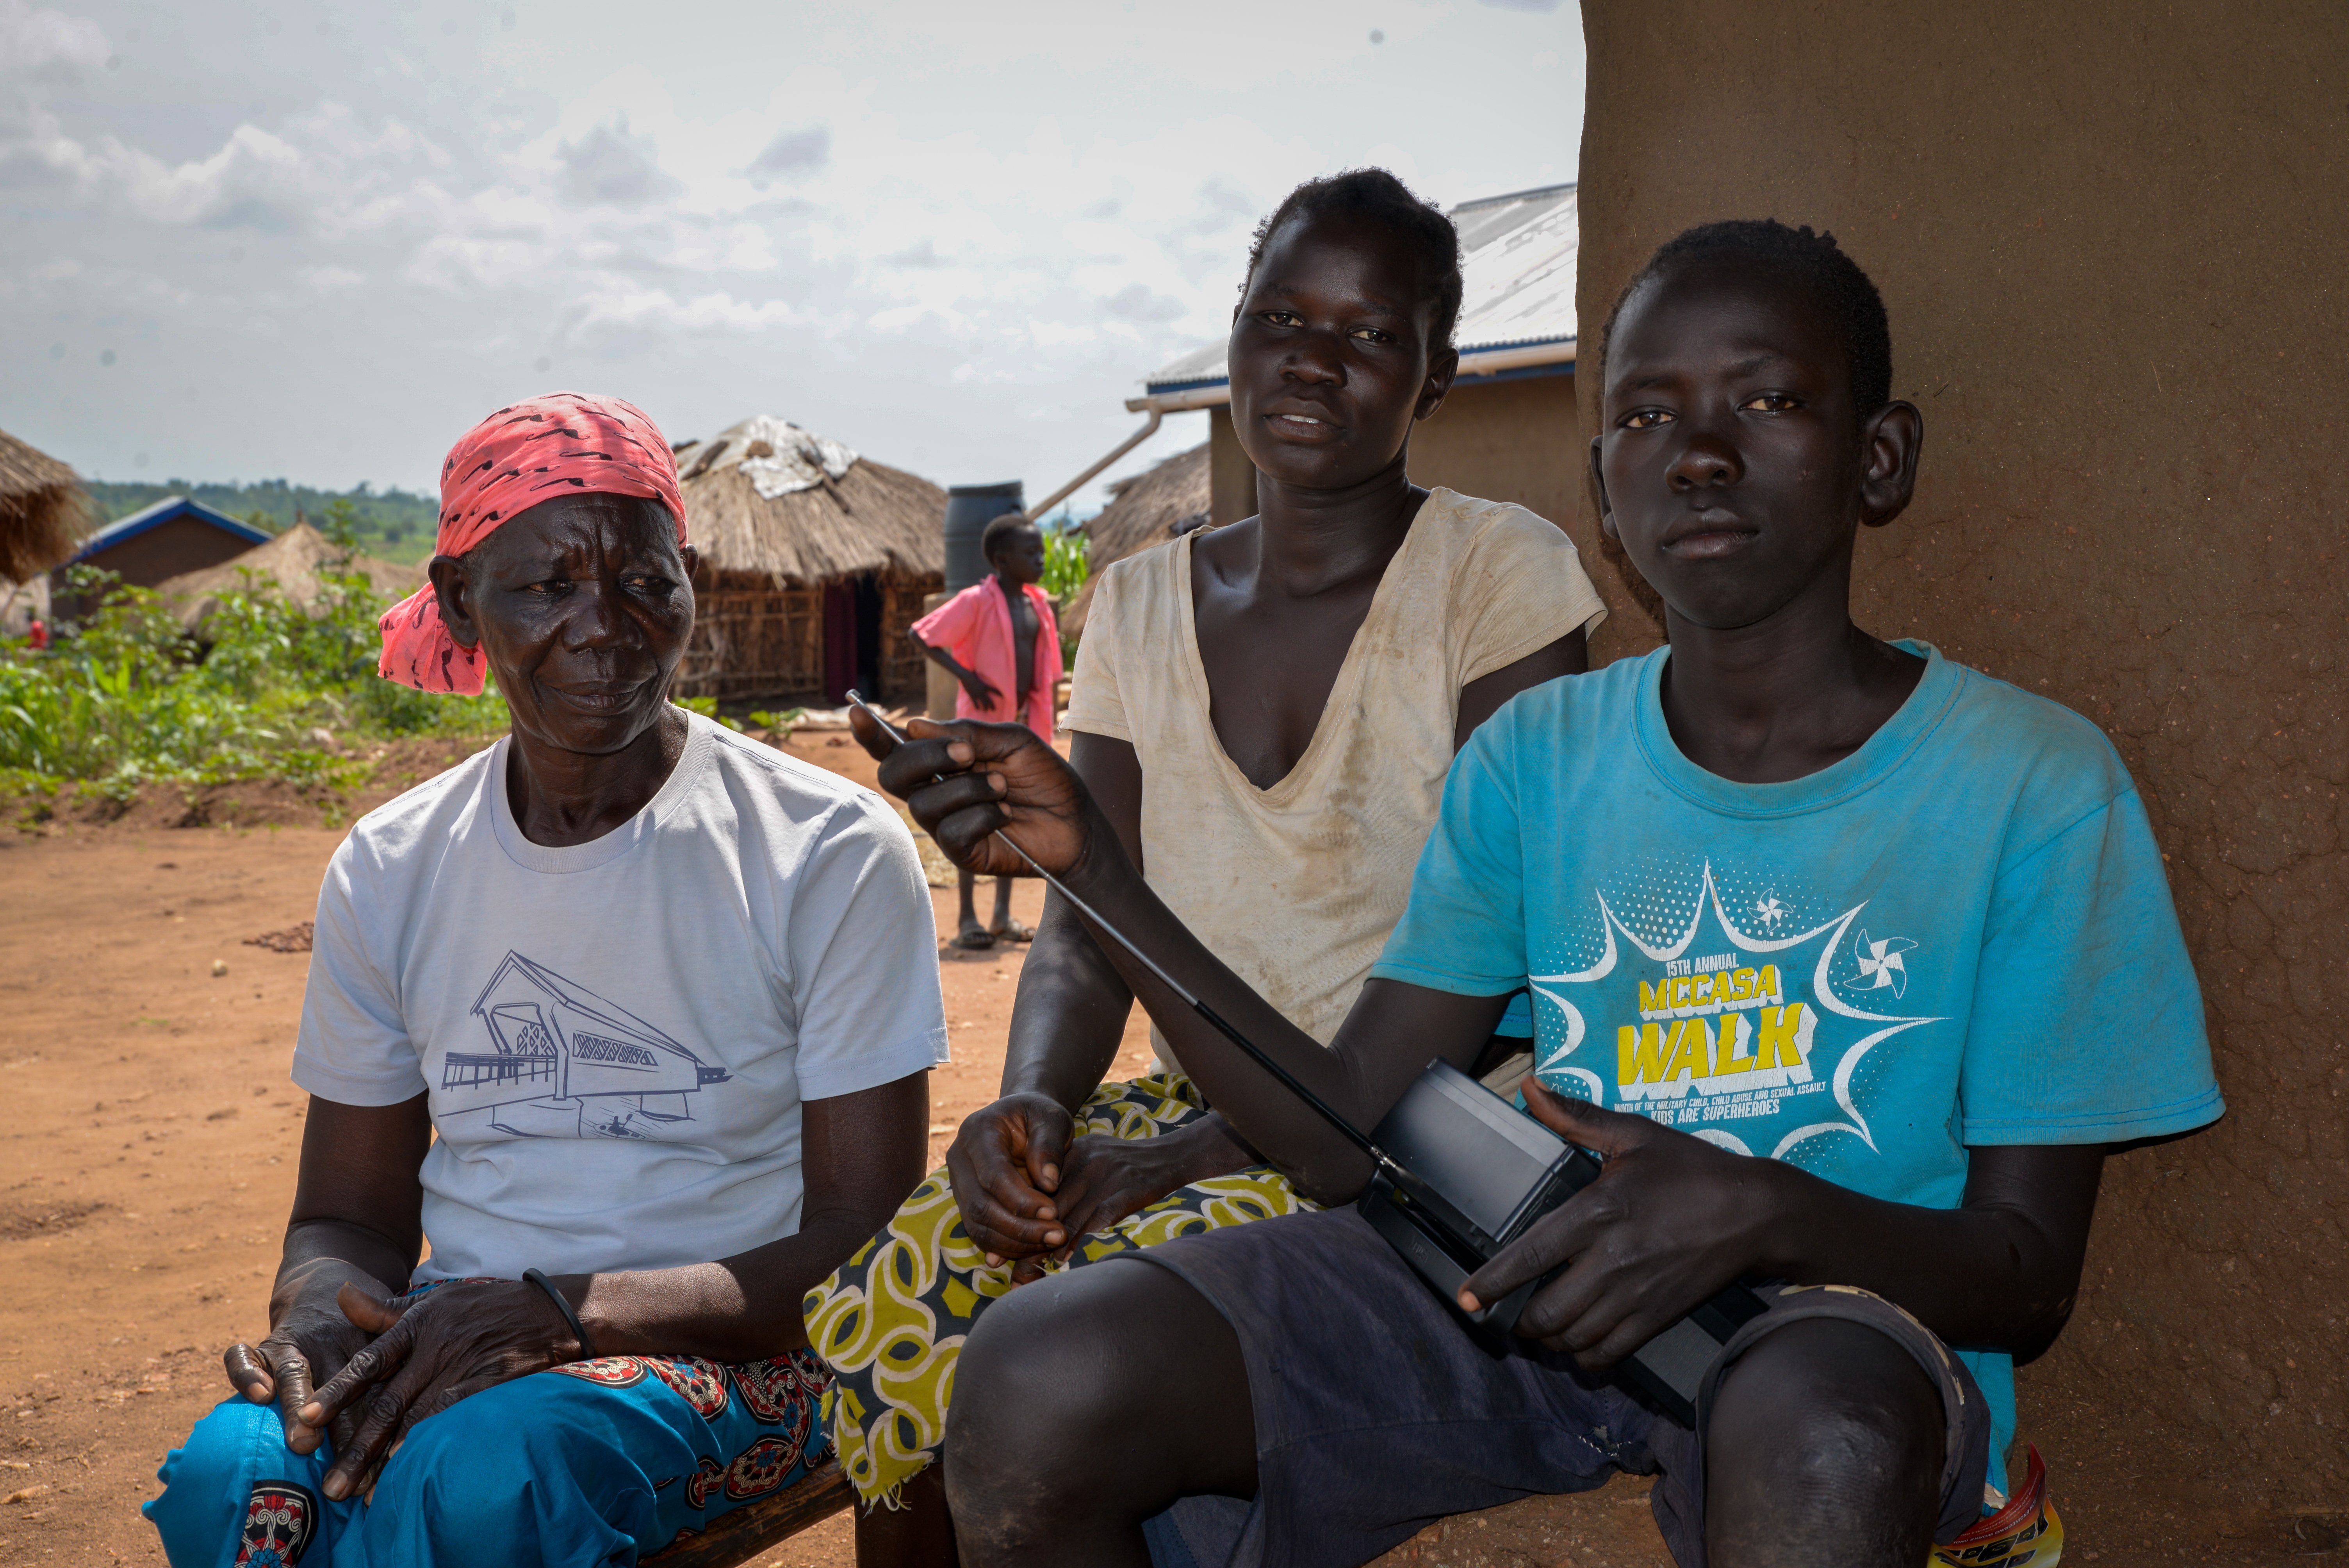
column 765, row 498
column 42, row 510
column 1517, row 262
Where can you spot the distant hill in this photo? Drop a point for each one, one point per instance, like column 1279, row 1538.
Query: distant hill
column 393, row 524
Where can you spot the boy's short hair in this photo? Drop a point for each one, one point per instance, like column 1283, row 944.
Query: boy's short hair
column 1813, row 261
column 1376, row 194
column 993, row 537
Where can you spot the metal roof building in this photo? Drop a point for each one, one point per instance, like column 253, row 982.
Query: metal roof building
column 175, row 535
column 163, row 515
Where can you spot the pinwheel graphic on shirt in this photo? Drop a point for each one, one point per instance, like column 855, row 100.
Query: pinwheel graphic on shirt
column 1879, row 962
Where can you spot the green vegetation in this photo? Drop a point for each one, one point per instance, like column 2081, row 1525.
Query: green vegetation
column 392, row 525
column 128, row 698
column 1065, row 554
column 777, row 724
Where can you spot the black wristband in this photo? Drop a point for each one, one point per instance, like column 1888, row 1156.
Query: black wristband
column 570, row 1315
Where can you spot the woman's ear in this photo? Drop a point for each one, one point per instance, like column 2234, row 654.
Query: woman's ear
column 450, row 586
column 1443, row 370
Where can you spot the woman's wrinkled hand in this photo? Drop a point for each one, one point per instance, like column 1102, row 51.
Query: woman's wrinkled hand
column 1018, row 1168
column 963, row 780
column 1104, row 1179
column 1005, row 1163
column 1670, row 1220
column 428, row 1352
column 310, row 1343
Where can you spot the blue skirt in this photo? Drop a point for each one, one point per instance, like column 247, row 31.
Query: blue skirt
column 598, row 1461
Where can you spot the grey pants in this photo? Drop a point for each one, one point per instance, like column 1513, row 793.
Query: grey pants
column 1377, row 1413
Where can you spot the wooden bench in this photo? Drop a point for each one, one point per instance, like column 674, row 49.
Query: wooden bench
column 1608, row 1528
column 739, row 1536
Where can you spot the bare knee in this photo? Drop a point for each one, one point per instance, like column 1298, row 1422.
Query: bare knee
column 1058, row 1430
column 1825, row 1445
column 1032, row 1392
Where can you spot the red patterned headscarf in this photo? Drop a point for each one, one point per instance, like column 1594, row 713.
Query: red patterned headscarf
column 562, row 442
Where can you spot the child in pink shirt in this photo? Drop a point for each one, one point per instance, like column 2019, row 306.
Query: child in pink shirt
column 998, row 640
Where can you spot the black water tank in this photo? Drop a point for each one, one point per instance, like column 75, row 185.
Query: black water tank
column 969, row 509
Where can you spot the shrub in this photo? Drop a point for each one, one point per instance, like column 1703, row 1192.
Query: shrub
column 271, row 691
column 1065, row 554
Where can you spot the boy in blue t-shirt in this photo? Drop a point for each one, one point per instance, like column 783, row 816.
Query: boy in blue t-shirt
column 1850, row 962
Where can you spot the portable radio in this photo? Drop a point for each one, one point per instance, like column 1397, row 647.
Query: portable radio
column 1485, row 1173
column 1457, row 1174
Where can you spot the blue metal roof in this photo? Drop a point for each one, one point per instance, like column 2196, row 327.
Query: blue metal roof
column 161, row 512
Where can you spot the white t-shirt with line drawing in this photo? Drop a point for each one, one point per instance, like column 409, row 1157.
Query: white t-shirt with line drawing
column 616, row 1036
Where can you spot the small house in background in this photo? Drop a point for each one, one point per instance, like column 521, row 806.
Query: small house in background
column 1507, row 431
column 814, row 564
column 1146, row 509
column 292, row 560
column 42, row 513
column 152, row 545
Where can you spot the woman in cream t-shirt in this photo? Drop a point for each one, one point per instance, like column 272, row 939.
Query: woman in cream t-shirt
column 1265, row 713
column 1297, row 886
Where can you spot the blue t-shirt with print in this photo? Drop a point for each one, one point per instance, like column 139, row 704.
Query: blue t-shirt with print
column 1959, row 935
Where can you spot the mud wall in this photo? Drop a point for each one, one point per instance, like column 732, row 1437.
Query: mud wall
column 1506, row 440
column 2111, row 238
column 1514, row 439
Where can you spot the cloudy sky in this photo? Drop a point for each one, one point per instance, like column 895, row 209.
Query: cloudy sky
column 240, row 241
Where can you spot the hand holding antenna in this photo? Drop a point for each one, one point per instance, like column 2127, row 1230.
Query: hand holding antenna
column 966, row 782
column 986, row 778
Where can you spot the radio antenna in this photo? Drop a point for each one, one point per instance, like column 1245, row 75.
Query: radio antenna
column 1255, row 1053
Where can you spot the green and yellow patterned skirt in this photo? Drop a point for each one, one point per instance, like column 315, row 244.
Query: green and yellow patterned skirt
column 892, row 1321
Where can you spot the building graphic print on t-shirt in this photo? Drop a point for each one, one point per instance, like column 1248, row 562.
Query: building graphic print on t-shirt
column 559, row 1061
column 1745, row 1025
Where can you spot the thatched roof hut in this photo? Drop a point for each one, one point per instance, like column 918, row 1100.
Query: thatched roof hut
column 1148, row 509
column 43, row 513
column 293, row 561
column 814, row 562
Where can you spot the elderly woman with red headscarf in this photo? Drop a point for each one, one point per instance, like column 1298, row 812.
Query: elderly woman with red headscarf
column 630, row 1017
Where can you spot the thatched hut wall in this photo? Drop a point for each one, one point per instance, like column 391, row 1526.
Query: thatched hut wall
column 871, row 541
column 754, row 637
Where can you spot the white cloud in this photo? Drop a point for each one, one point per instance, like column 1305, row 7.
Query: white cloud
column 905, row 204
column 793, row 150
column 323, row 168
column 610, row 165
column 35, row 40
column 702, row 313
